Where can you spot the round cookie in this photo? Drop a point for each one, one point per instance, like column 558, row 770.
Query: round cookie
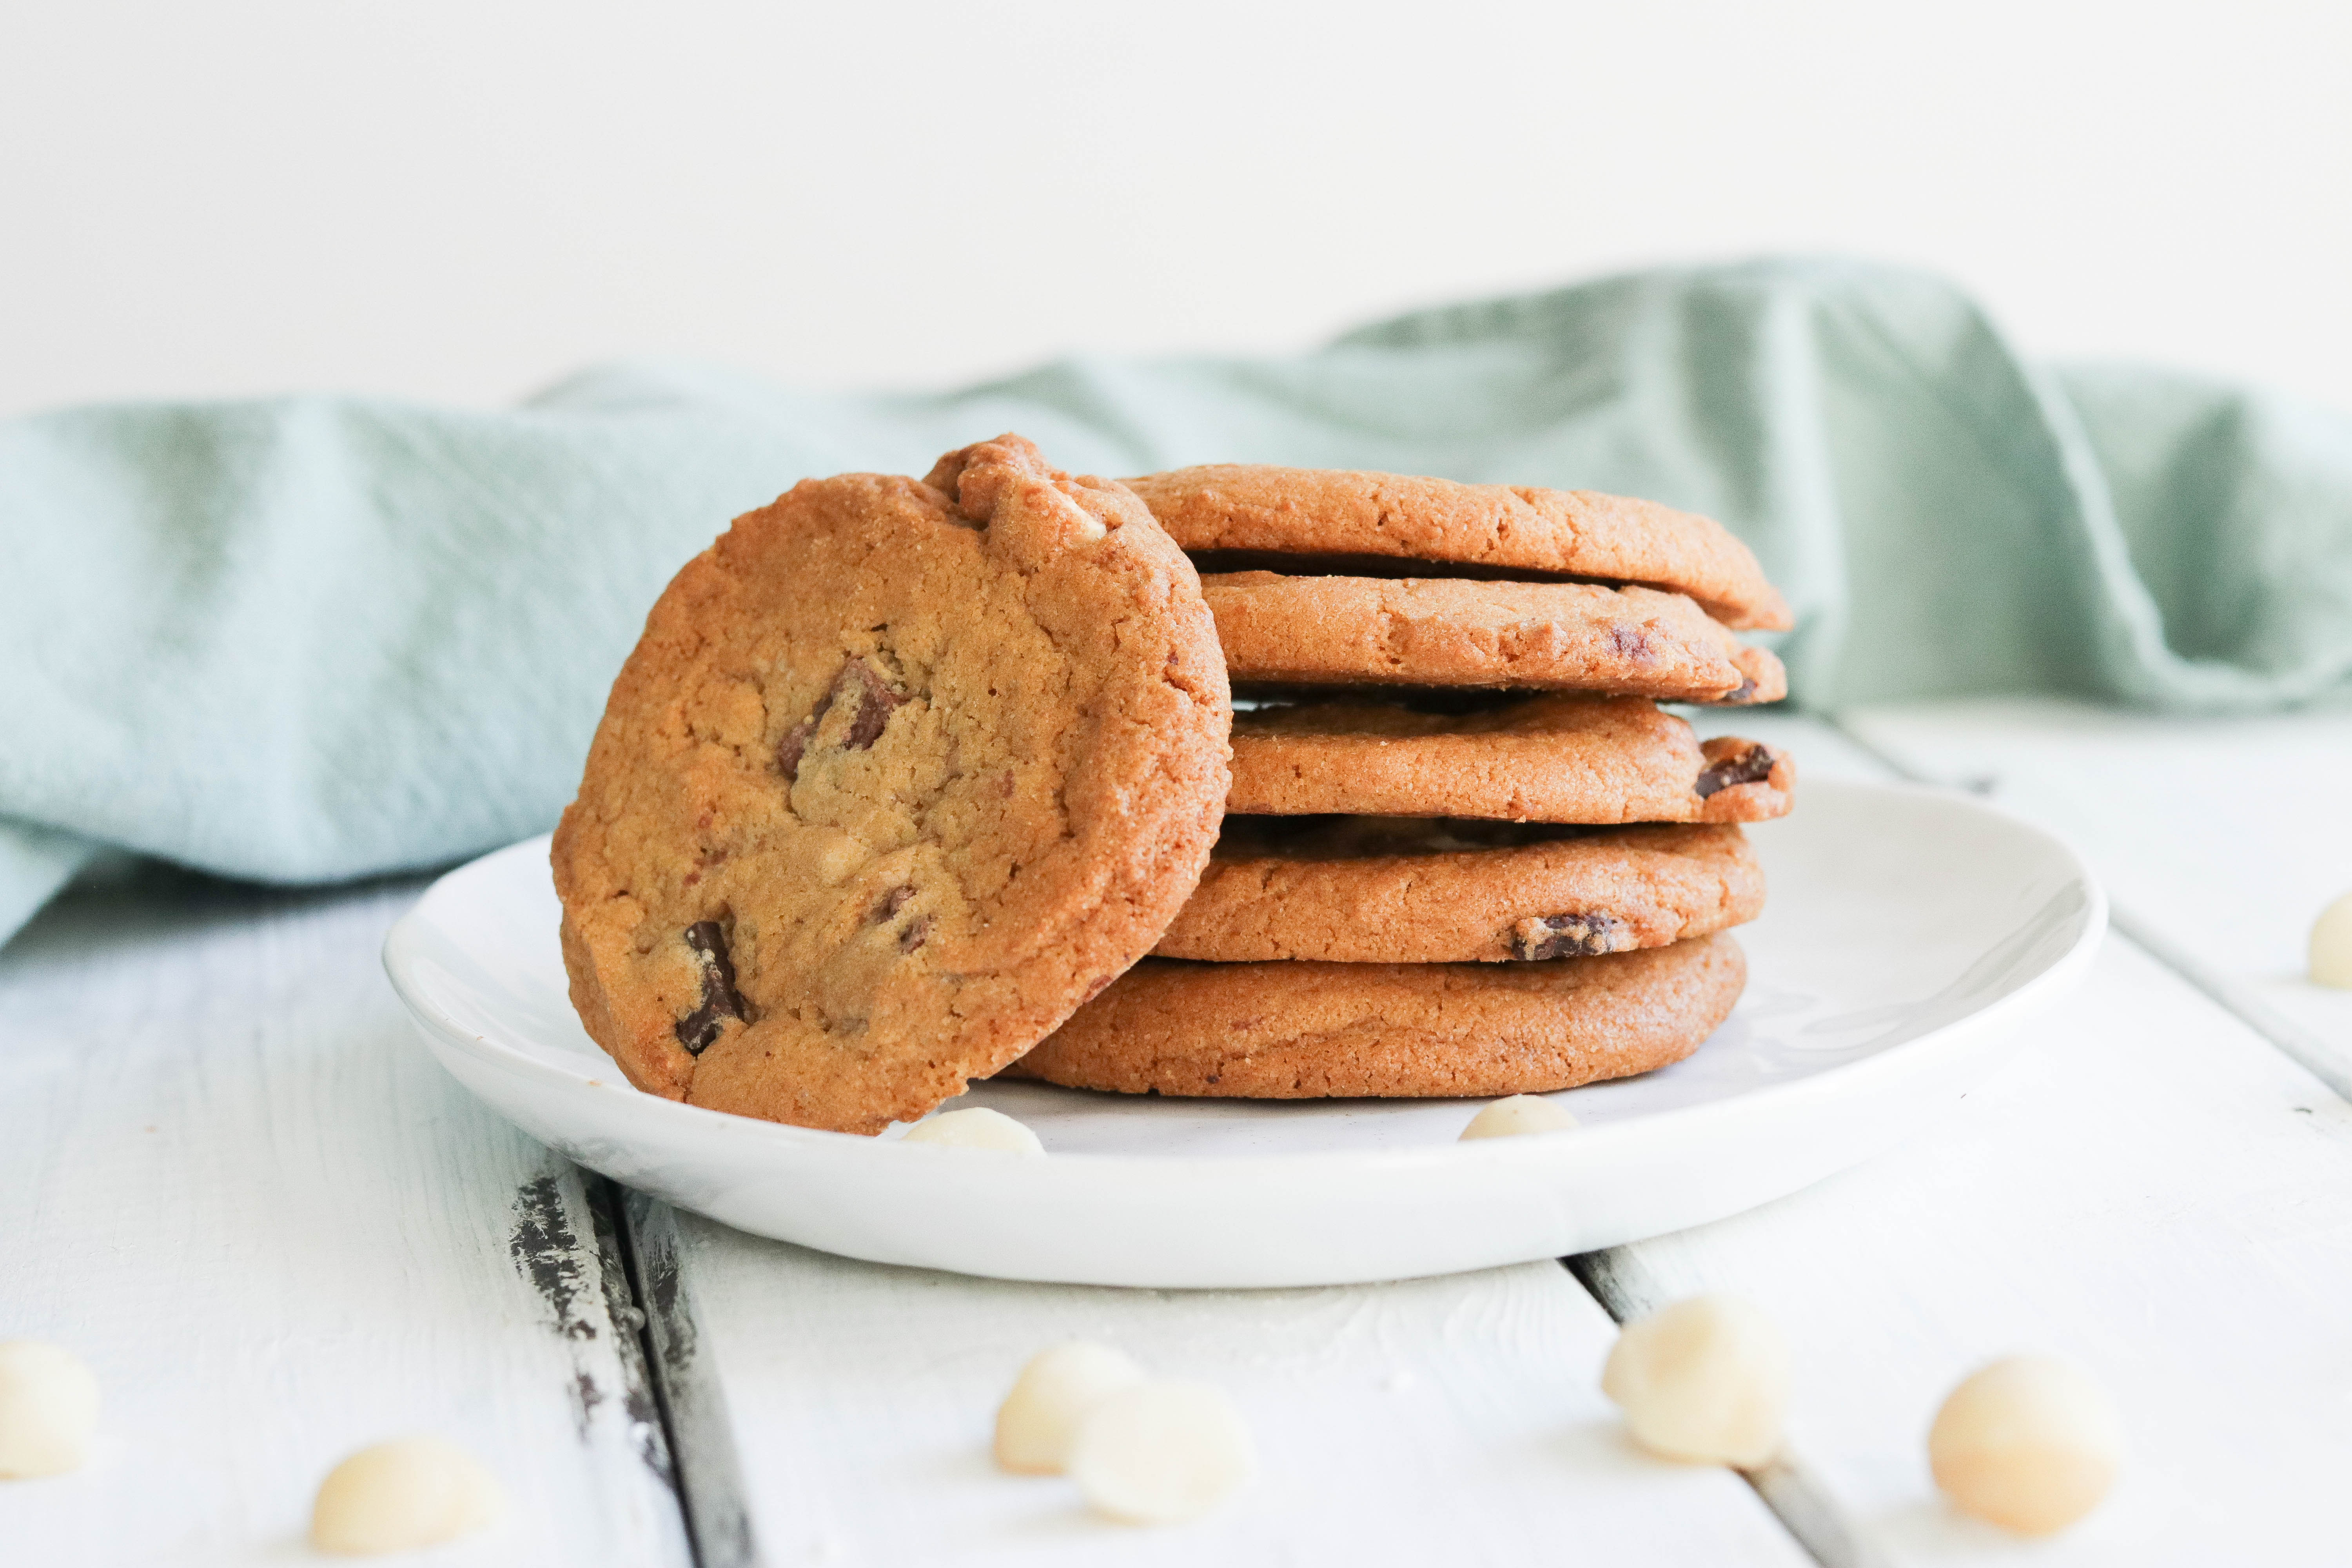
column 1447, row 631
column 900, row 773
column 1308, row 1031
column 1336, row 514
column 1550, row 757
column 1386, row 889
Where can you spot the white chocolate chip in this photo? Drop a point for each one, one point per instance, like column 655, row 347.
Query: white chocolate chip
column 1035, row 1424
column 2030, row 1443
column 2331, row 945
column 401, row 1495
column 1520, row 1113
column 1705, row 1379
column 48, row 1409
column 978, row 1128
column 1161, row 1453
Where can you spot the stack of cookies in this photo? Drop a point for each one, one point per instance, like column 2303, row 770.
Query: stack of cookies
column 907, row 778
column 1465, row 852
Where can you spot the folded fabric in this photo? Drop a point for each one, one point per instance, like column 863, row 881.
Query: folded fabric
column 314, row 638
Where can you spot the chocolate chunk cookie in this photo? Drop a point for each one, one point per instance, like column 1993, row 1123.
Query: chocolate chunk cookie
column 1300, row 1031
column 1543, row 758
column 1378, row 890
column 1336, row 515
column 901, row 772
column 1441, row 631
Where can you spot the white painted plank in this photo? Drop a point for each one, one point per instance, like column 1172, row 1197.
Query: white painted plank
column 2151, row 1192
column 238, row 1187
column 2220, row 839
column 1450, row 1420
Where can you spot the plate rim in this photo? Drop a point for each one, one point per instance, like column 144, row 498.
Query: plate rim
column 404, row 943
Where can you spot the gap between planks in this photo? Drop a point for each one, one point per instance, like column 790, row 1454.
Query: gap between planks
column 2283, row 1035
column 636, row 1239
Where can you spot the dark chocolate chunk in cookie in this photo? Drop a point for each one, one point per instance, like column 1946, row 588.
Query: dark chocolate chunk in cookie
column 720, row 1001
column 1573, row 935
column 870, row 698
column 1750, row 766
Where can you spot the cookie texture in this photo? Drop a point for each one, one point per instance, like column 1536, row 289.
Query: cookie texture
column 1325, row 513
column 901, row 772
column 1547, row 757
column 1442, row 631
column 1373, row 889
column 1304, row 1031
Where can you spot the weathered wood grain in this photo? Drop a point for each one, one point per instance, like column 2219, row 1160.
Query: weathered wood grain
column 237, row 1187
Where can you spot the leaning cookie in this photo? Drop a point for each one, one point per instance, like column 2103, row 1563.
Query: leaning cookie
column 1445, row 631
column 1368, row 889
column 900, row 773
column 1549, row 757
column 1308, row 1031
column 1296, row 515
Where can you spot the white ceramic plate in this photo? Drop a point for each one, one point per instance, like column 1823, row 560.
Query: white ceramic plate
column 1908, row 934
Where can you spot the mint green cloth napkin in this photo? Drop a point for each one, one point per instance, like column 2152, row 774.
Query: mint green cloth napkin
column 315, row 639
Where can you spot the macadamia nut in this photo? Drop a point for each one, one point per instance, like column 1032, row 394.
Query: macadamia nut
column 1705, row 1379
column 2331, row 945
column 401, row 1495
column 1161, row 1453
column 1520, row 1113
column 48, row 1409
column 2030, row 1443
column 978, row 1128
column 1039, row 1418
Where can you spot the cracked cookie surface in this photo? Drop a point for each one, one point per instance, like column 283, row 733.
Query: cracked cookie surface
column 1253, row 508
column 1367, row 890
column 1304, row 1031
column 1445, row 631
column 900, row 772
column 1550, row 757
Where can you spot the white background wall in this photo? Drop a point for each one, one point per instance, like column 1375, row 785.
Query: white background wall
column 459, row 199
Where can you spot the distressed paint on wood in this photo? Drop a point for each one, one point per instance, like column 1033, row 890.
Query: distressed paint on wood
column 241, row 1189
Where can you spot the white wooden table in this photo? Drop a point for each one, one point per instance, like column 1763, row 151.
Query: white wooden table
column 231, row 1179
